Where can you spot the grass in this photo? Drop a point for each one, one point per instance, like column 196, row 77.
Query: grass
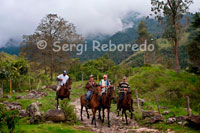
column 24, row 127
column 48, row 102
column 48, row 128
column 170, row 89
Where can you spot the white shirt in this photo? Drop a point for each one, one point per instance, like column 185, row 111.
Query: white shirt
column 64, row 79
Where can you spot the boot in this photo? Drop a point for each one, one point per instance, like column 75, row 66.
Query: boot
column 87, row 103
column 119, row 106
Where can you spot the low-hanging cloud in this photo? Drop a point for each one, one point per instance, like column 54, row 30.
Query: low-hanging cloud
column 19, row 17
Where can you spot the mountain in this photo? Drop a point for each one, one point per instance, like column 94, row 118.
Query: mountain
column 11, row 47
column 126, row 36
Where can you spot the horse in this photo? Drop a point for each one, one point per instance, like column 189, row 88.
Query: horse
column 94, row 104
column 64, row 91
column 105, row 103
column 127, row 104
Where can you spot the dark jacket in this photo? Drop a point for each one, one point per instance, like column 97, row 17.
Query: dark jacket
column 90, row 86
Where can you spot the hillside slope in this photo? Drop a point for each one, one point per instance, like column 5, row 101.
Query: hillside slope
column 169, row 87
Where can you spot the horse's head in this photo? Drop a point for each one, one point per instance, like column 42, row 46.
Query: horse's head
column 111, row 92
column 129, row 97
column 69, row 83
column 98, row 90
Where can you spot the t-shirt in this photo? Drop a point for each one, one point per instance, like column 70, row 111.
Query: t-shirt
column 64, row 79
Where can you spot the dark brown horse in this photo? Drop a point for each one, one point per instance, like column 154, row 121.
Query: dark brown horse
column 106, row 102
column 64, row 91
column 127, row 104
column 94, row 104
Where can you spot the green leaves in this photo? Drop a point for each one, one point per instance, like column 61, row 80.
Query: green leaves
column 8, row 117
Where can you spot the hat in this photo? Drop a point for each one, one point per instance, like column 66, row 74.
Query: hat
column 91, row 76
column 64, row 72
column 124, row 77
column 105, row 76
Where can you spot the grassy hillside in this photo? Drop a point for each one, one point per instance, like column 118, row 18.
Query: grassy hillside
column 169, row 87
column 164, row 54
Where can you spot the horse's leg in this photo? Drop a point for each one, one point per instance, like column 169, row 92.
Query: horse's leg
column 130, row 110
column 126, row 117
column 94, row 119
column 57, row 103
column 122, row 115
column 69, row 96
column 81, row 112
column 88, row 116
column 99, row 113
column 108, row 117
column 103, row 115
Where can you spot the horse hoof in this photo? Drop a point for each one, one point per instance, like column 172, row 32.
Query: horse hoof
column 126, row 123
column 102, row 121
column 81, row 119
column 88, row 117
column 108, row 125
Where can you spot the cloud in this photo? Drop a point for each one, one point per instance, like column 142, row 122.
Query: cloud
column 19, row 17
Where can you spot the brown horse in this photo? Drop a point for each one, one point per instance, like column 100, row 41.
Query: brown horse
column 64, row 91
column 94, row 104
column 106, row 102
column 127, row 104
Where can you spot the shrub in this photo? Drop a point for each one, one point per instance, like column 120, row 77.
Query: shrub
column 69, row 111
column 8, row 118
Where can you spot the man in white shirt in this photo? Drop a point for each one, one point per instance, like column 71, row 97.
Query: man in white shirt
column 62, row 79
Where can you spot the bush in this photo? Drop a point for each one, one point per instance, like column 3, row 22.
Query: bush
column 69, row 111
column 8, row 118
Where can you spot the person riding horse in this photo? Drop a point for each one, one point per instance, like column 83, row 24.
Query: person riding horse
column 122, row 87
column 62, row 80
column 104, row 85
column 90, row 85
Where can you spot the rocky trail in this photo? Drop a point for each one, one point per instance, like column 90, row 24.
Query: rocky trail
column 117, row 125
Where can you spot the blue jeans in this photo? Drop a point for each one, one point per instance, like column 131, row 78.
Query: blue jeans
column 88, row 95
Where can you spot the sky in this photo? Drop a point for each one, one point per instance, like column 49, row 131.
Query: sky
column 21, row 17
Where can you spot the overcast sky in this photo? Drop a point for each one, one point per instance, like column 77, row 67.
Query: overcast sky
column 19, row 17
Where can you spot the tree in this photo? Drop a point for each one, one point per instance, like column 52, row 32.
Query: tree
column 142, row 33
column 143, row 36
column 194, row 41
column 51, row 29
column 170, row 14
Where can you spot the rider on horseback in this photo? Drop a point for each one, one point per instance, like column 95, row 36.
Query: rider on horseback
column 104, row 84
column 123, row 87
column 62, row 80
column 90, row 88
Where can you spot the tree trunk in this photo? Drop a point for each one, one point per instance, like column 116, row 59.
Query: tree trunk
column 138, row 103
column 157, row 104
column 10, row 86
column 38, row 85
column 188, row 106
column 51, row 73
column 176, row 55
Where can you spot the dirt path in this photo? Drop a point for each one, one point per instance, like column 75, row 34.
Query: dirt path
column 117, row 125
